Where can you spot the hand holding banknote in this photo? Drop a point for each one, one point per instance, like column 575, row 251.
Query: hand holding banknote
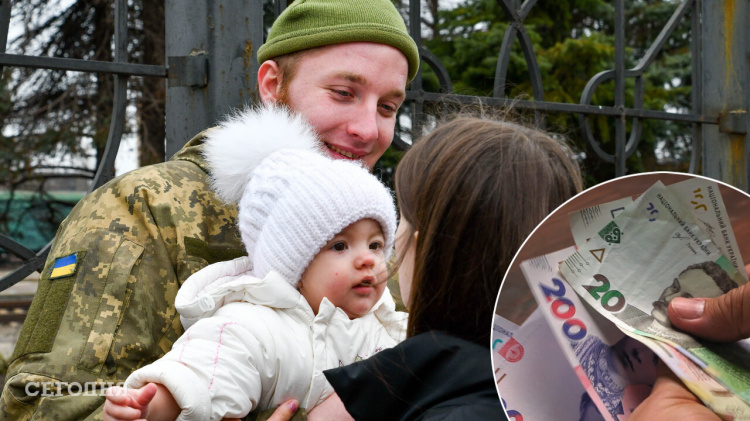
column 725, row 318
column 670, row 400
column 722, row 319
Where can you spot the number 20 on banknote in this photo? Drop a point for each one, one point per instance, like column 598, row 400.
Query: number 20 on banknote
column 608, row 296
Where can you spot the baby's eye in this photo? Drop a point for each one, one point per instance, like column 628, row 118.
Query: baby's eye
column 376, row 245
column 339, row 246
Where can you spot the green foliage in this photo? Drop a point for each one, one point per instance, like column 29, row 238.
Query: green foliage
column 573, row 40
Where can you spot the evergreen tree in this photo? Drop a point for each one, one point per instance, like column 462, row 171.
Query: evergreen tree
column 573, row 41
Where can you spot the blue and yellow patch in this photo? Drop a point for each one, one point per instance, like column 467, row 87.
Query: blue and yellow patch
column 64, row 266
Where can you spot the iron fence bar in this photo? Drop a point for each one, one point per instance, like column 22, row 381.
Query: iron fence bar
column 446, row 86
column 509, row 7
column 525, row 8
column 279, row 6
column 620, row 126
column 516, row 30
column 658, row 43
column 587, row 96
column 10, row 245
column 537, row 89
column 415, row 30
column 106, row 167
column 80, row 65
column 4, row 23
column 697, row 84
column 434, row 97
column 535, row 74
column 34, row 264
column 4, row 27
column 503, row 60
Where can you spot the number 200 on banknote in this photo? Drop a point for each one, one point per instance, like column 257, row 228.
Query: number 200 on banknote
column 564, row 309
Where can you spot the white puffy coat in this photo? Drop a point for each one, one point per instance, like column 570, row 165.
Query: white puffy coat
column 254, row 343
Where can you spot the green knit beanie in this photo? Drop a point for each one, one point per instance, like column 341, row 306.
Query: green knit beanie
column 314, row 23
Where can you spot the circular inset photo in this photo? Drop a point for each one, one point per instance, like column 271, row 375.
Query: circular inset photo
column 616, row 283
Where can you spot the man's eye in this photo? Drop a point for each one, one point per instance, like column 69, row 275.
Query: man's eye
column 377, row 245
column 339, row 246
column 388, row 109
column 343, row 93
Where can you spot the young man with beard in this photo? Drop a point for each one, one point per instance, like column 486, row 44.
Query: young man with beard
column 105, row 302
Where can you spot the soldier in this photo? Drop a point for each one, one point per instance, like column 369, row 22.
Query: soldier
column 105, row 302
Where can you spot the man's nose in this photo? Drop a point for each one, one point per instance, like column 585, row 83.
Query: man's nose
column 364, row 123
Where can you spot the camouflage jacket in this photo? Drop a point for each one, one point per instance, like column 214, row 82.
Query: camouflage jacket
column 105, row 302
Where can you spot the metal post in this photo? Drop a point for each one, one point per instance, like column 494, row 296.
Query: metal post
column 4, row 23
column 211, row 55
column 417, row 112
column 696, row 93
column 620, row 127
column 725, row 47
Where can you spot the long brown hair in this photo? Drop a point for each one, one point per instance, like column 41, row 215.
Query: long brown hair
column 474, row 189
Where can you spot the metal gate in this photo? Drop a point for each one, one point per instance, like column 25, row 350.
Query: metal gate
column 212, row 67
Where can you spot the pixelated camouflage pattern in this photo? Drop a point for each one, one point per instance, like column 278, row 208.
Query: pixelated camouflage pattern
column 120, row 312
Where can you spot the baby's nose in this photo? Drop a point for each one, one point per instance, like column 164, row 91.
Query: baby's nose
column 365, row 259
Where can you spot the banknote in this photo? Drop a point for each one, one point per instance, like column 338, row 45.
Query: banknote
column 715, row 396
column 617, row 371
column 534, row 380
column 652, row 251
column 586, row 223
column 704, row 200
column 502, row 346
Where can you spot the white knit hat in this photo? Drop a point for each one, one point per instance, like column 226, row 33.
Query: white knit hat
column 296, row 199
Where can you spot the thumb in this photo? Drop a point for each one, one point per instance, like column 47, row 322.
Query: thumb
column 144, row 395
column 725, row 318
column 285, row 411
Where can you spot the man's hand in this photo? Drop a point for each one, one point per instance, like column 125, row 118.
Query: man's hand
column 722, row 319
column 670, row 400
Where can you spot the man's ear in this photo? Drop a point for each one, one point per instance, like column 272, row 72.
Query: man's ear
column 269, row 82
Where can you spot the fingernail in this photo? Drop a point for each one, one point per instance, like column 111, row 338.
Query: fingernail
column 293, row 405
column 688, row 308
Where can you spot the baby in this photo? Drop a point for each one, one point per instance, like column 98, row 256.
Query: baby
column 309, row 296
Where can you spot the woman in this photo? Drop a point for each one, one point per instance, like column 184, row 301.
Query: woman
column 469, row 194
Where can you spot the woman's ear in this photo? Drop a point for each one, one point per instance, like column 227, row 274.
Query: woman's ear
column 269, row 82
column 416, row 233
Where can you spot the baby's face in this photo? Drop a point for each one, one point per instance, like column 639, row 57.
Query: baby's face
column 350, row 270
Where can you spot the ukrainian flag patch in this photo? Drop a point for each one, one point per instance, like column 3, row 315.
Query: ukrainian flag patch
column 64, row 266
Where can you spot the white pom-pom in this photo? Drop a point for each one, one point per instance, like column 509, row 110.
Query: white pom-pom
column 240, row 142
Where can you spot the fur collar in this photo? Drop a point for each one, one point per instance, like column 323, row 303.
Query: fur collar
column 239, row 143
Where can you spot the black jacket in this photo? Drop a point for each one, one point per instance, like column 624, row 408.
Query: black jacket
column 431, row 376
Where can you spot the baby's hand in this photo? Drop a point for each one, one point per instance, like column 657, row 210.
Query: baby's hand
column 128, row 404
